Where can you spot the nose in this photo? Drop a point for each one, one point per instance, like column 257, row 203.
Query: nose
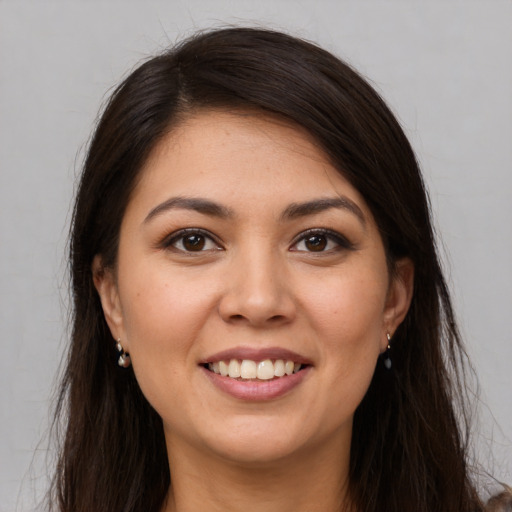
column 257, row 291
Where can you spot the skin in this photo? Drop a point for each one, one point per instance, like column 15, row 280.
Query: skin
column 256, row 283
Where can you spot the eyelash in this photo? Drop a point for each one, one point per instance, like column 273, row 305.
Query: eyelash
column 170, row 241
column 340, row 241
column 330, row 236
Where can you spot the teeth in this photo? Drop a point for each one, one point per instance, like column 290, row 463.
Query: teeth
column 223, row 368
column 234, row 369
column 279, row 368
column 266, row 370
column 248, row 369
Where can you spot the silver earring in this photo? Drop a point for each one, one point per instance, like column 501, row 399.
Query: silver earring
column 124, row 358
column 387, row 357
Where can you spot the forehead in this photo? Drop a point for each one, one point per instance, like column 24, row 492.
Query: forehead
column 240, row 159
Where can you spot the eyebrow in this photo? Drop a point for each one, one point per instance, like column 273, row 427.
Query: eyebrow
column 198, row 204
column 296, row 210
column 293, row 211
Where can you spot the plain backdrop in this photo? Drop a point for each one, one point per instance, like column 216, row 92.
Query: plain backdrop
column 445, row 68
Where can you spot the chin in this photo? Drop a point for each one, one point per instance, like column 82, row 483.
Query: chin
column 256, row 451
column 262, row 441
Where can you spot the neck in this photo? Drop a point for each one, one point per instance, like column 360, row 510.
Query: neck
column 313, row 480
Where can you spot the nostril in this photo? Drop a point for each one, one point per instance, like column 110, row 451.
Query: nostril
column 272, row 319
column 277, row 318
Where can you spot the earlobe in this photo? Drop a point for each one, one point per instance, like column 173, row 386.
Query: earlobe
column 105, row 284
column 399, row 295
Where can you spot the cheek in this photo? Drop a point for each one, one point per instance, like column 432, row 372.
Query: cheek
column 163, row 312
column 163, row 320
column 349, row 306
column 347, row 317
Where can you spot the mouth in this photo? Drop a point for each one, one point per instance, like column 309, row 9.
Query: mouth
column 256, row 375
column 255, row 370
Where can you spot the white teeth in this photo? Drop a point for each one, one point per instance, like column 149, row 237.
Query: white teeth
column 279, row 368
column 265, row 370
column 248, row 369
column 234, row 369
column 223, row 368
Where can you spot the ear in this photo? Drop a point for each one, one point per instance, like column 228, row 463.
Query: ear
column 106, row 286
column 399, row 297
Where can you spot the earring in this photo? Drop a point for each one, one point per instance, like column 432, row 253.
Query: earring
column 124, row 358
column 386, row 356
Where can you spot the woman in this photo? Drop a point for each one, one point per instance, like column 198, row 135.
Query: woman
column 260, row 318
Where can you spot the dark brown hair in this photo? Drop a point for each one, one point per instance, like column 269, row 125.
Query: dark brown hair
column 409, row 446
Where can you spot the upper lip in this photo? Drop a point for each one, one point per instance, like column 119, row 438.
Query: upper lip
column 256, row 354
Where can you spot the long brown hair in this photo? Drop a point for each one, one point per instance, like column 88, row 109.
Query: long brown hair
column 409, row 445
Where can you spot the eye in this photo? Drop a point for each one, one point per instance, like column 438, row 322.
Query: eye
column 320, row 240
column 191, row 240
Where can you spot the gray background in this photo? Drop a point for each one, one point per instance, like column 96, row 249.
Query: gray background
column 444, row 67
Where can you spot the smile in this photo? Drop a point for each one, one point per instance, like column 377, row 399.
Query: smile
column 248, row 369
column 256, row 374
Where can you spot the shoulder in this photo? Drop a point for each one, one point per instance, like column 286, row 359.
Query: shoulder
column 502, row 502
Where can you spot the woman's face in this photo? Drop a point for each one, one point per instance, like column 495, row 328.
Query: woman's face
column 243, row 250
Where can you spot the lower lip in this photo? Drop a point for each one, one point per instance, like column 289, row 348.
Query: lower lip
column 257, row 390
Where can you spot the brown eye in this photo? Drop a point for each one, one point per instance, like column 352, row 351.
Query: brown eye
column 190, row 241
column 194, row 242
column 315, row 243
column 321, row 240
